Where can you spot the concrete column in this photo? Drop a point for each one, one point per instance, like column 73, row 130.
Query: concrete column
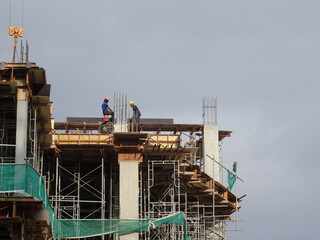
column 21, row 125
column 211, row 148
column 129, row 189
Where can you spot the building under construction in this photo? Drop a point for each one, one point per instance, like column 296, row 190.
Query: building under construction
column 144, row 171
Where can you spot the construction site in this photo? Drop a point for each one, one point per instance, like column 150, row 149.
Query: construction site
column 72, row 171
column 154, row 179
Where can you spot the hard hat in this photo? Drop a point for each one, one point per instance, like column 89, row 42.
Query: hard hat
column 106, row 118
column 107, row 99
column 130, row 103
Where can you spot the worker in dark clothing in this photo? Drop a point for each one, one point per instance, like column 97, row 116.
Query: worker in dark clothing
column 136, row 114
column 106, row 110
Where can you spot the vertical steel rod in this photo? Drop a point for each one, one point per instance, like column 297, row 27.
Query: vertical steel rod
column 78, row 202
column 216, row 111
column 102, row 192
column 57, row 172
column 110, row 193
column 126, row 118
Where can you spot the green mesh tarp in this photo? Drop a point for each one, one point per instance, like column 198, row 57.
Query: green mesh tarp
column 89, row 228
column 231, row 180
column 24, row 180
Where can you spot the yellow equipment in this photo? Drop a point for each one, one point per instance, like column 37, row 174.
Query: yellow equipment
column 16, row 32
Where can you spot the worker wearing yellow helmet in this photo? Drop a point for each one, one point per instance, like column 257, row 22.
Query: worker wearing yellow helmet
column 136, row 114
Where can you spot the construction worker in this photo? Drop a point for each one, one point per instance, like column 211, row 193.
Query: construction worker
column 106, row 126
column 103, row 126
column 106, row 110
column 136, row 114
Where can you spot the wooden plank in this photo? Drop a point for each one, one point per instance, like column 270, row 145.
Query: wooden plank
column 186, row 173
column 194, row 174
column 208, row 191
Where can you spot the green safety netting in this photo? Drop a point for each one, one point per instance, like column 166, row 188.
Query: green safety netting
column 24, row 180
column 90, row 228
column 231, row 180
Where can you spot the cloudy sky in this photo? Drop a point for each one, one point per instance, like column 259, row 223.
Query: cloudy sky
column 259, row 58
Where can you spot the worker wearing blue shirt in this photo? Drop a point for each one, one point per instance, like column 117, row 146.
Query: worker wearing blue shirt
column 106, row 110
column 135, row 113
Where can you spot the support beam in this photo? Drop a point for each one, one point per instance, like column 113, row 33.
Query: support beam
column 21, row 125
column 211, row 148
column 129, row 188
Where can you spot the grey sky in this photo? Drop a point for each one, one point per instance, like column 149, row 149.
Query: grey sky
column 260, row 58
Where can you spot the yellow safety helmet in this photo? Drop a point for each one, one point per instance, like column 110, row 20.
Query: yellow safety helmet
column 130, row 103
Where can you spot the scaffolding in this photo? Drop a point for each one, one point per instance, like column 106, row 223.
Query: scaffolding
column 80, row 166
column 160, row 196
column 7, row 137
column 8, row 134
column 76, row 192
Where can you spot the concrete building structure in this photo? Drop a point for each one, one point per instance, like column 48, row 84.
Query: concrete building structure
column 145, row 171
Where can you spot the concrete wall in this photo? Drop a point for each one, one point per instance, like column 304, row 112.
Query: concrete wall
column 211, row 148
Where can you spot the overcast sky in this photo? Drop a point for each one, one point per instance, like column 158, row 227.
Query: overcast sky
column 259, row 58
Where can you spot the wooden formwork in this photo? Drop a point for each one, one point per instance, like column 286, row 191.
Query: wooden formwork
column 165, row 141
column 82, row 139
